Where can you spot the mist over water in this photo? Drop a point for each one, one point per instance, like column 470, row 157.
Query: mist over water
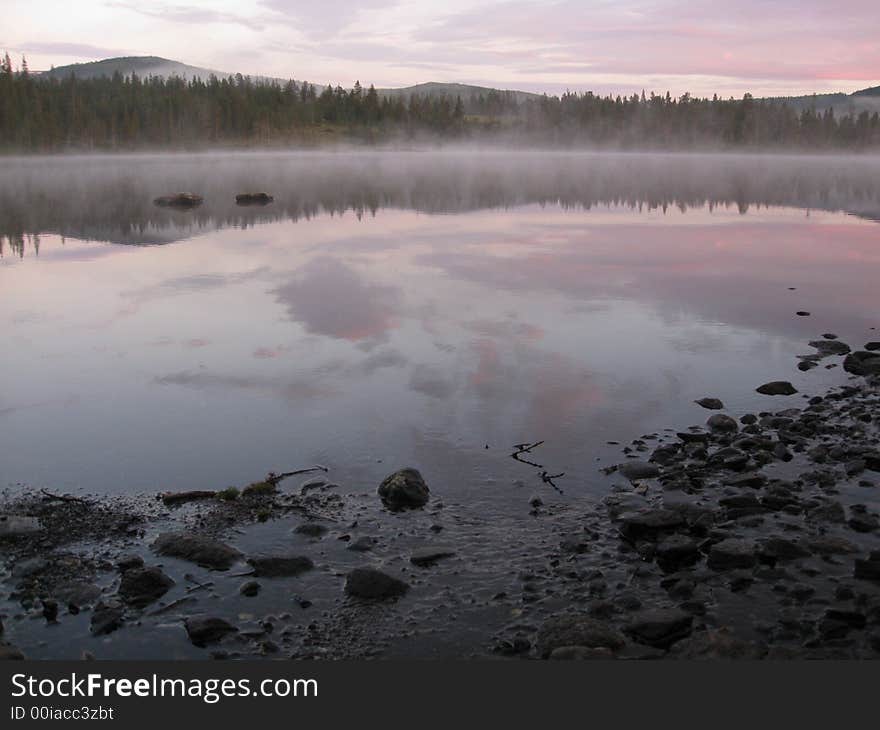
column 422, row 308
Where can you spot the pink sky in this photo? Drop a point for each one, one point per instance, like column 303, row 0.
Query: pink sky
column 766, row 47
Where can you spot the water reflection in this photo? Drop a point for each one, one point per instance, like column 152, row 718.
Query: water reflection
column 110, row 198
column 404, row 338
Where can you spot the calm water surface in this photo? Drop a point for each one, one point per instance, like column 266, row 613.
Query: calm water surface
column 423, row 309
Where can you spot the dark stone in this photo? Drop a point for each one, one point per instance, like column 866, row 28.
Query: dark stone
column 868, row 569
column 732, row 553
column 777, row 387
column 830, row 545
column 253, row 199
column 576, row 630
column 106, row 618
column 862, row 363
column 179, row 200
column 676, row 550
column 429, row 556
column 249, row 589
column 204, row 630
column 310, row 529
column 635, row 470
column 199, row 549
column 720, row 423
column 363, row 544
column 141, row 586
column 650, row 522
column 660, row 628
column 404, row 489
column 778, row 548
column 373, row 584
column 717, row 644
column 872, row 346
column 831, row 347
column 280, row 566
column 129, row 561
column 712, row 404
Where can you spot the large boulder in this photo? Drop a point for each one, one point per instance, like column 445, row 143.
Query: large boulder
column 862, row 363
column 141, row 586
column 199, row 549
column 404, row 489
column 372, row 584
column 777, row 387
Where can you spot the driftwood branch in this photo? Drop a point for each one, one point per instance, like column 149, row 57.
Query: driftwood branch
column 63, row 497
column 526, row 449
column 274, row 479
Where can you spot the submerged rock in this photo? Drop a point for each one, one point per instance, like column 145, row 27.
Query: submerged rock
column 179, row 200
column 777, row 387
column 253, row 199
column 404, row 489
column 199, row 549
column 106, row 618
column 373, row 584
column 280, row 566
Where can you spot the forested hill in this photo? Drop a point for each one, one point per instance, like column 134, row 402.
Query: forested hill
column 44, row 113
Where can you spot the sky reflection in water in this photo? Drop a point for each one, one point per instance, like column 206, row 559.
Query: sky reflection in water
column 406, row 338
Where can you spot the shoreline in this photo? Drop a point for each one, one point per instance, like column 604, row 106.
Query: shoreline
column 755, row 537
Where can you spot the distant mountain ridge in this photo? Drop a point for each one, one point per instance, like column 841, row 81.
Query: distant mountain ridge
column 856, row 102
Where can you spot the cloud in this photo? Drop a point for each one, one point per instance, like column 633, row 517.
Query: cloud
column 80, row 50
column 190, row 15
column 330, row 298
column 326, row 18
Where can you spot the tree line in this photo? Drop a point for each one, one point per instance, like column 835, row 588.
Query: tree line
column 126, row 112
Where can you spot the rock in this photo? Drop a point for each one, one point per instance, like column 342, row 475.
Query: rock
column 13, row 526
column 204, row 630
column 129, row 561
column 676, row 550
column 579, row 653
column 249, row 589
column 649, row 522
column 777, row 387
column 311, row 529
column 429, row 556
column 280, row 566
column 660, row 627
column 712, row 404
column 830, row 545
column 141, row 586
column 404, row 489
column 77, row 593
column 179, row 200
column 802, row 314
column 363, row 544
column 10, row 653
column 106, row 618
column 717, row 644
column 868, row 569
column 373, row 584
column 861, row 520
column 872, row 346
column 567, row 630
column 636, row 470
column 778, row 548
column 720, row 423
column 253, row 199
column 732, row 553
column 831, row 347
column 50, row 610
column 862, row 363
column 827, row 512
column 199, row 549
column 29, row 567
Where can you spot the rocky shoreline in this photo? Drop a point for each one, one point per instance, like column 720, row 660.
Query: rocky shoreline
column 755, row 536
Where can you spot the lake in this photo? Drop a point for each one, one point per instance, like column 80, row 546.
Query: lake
column 410, row 308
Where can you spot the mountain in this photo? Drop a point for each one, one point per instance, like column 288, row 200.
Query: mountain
column 858, row 101
column 155, row 66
